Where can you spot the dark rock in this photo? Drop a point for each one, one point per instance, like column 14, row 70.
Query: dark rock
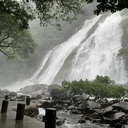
column 75, row 111
column 90, row 104
column 119, row 125
column 114, row 116
column 58, row 94
column 121, row 106
column 106, row 111
column 104, row 105
column 60, row 121
column 31, row 111
column 115, row 101
column 46, row 104
column 82, row 120
column 58, row 106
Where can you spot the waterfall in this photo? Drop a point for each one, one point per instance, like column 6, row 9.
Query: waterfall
column 91, row 51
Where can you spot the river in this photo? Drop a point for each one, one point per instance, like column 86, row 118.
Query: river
column 72, row 120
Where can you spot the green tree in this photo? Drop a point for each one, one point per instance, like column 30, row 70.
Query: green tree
column 49, row 11
column 14, row 41
column 104, row 79
column 66, row 88
column 101, row 87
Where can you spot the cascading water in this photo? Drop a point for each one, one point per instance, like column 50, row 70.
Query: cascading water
column 92, row 51
column 98, row 54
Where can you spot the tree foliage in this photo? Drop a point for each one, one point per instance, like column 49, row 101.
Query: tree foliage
column 52, row 11
column 14, row 41
column 100, row 87
column 123, row 52
column 48, row 11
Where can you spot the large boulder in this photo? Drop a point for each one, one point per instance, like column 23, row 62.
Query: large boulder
column 90, row 104
column 121, row 106
column 45, row 104
column 58, row 94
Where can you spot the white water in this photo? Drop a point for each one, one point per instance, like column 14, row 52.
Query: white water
column 62, row 51
column 98, row 54
column 94, row 49
column 37, row 73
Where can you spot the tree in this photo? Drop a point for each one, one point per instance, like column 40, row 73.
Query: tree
column 52, row 11
column 49, row 12
column 104, row 80
column 67, row 88
column 14, row 41
column 110, row 5
column 101, row 87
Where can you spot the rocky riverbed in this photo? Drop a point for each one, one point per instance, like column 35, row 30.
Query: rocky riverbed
column 77, row 112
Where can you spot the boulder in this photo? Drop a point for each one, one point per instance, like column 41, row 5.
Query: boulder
column 121, row 106
column 58, row 94
column 82, row 120
column 114, row 118
column 90, row 104
column 45, row 104
column 106, row 111
column 60, row 121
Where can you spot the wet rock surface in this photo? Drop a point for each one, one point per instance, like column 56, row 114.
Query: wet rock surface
column 31, row 111
column 113, row 113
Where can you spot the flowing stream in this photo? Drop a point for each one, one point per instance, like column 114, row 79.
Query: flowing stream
column 72, row 120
